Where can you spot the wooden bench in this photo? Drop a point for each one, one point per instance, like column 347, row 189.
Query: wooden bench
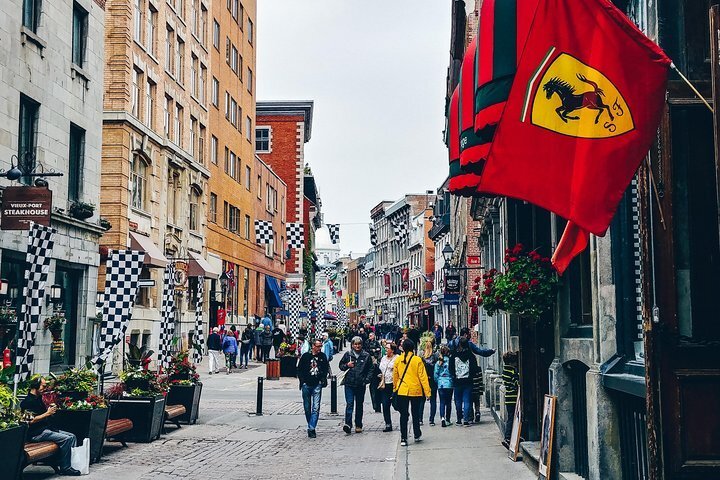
column 115, row 428
column 171, row 413
column 39, row 451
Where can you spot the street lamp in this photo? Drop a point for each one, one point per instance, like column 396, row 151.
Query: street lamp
column 224, row 285
column 447, row 253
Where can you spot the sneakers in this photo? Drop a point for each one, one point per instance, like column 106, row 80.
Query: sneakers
column 459, row 423
column 432, row 424
column 465, row 424
column 312, row 434
column 443, row 423
column 346, row 429
column 477, row 418
column 422, row 423
column 358, row 429
column 418, row 439
column 388, row 428
column 449, row 423
column 403, row 443
column 506, row 444
column 71, row 472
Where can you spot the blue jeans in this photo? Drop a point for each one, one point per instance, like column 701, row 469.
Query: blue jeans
column 463, row 400
column 433, row 405
column 445, row 395
column 64, row 440
column 311, row 402
column 354, row 396
column 244, row 354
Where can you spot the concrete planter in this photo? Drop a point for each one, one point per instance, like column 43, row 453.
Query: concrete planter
column 146, row 413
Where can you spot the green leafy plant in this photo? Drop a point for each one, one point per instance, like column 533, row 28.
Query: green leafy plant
column 137, row 356
column 75, row 380
column 7, row 314
column 81, row 210
column 143, row 383
column 90, row 402
column 182, row 369
column 54, row 322
column 527, row 286
column 10, row 416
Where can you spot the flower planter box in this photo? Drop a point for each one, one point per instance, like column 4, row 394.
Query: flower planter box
column 84, row 424
column 288, row 366
column 146, row 413
column 188, row 397
column 11, row 453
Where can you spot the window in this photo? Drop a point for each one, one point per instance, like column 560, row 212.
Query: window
column 172, row 202
column 233, row 164
column 248, row 176
column 262, row 139
column 180, row 61
column 234, row 59
column 151, row 30
column 150, row 103
column 248, row 129
column 213, row 208
column 216, row 35
column 227, row 50
column 31, row 14
column 238, row 125
column 166, row 114
column 76, row 160
column 178, row 127
column 233, row 112
column 226, row 214
column 135, row 106
column 234, row 220
column 79, row 34
column 203, row 82
column 213, row 149
column 251, row 31
column 203, row 25
column 227, row 105
column 249, row 80
column 138, row 20
column 194, row 16
column 138, row 182
column 194, row 64
column 170, row 50
column 271, row 200
column 143, row 298
column 247, row 227
column 194, row 205
column 215, row 92
column 201, row 145
column 193, row 135
column 234, row 11
column 259, row 186
column 27, row 132
column 227, row 160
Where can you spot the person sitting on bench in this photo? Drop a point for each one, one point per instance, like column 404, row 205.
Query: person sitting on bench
column 39, row 429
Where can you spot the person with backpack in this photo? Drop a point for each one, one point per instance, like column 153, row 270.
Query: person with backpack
column 465, row 332
column 359, row 368
column 230, row 349
column 478, row 388
column 266, row 337
column 410, row 384
column 258, row 341
column 463, row 366
column 443, row 379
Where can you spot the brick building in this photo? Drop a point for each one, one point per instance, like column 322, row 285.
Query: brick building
column 155, row 156
column 283, row 129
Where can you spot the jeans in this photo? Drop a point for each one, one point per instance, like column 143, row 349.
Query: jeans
column 510, row 410
column 445, row 395
column 64, row 440
column 244, row 354
column 354, row 396
column 463, row 400
column 311, row 402
column 433, row 405
column 415, row 404
column 385, row 397
column 213, row 364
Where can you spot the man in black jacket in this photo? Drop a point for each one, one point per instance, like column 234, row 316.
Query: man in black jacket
column 312, row 373
column 373, row 348
column 214, row 345
column 359, row 368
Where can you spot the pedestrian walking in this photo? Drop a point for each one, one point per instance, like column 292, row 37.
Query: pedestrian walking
column 234, row 333
column 429, row 356
column 266, row 339
column 438, row 332
column 328, row 349
column 410, row 384
column 40, row 428
column 450, row 332
column 358, row 365
column 246, row 340
column 230, row 349
column 385, row 385
column 462, row 369
column 278, row 336
column 266, row 322
column 258, row 342
column 214, row 344
column 312, row 372
column 444, row 383
column 465, row 332
column 511, row 381
column 373, row 348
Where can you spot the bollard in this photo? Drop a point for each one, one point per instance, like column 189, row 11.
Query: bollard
column 258, row 409
column 333, row 395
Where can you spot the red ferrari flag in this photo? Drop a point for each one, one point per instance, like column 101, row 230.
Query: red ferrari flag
column 461, row 182
column 474, row 148
column 582, row 114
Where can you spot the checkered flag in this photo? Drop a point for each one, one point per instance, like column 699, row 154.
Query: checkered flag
column 295, row 234
column 327, row 271
column 342, row 313
column 39, row 252
column 167, row 323
column 199, row 338
column 293, row 306
column 263, row 232
column 122, row 275
column 373, row 236
column 321, row 313
column 400, row 230
column 334, row 230
column 366, row 273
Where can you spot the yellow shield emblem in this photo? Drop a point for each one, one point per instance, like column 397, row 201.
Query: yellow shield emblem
column 574, row 99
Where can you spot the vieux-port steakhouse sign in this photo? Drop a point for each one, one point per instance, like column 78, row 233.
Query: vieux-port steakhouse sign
column 21, row 205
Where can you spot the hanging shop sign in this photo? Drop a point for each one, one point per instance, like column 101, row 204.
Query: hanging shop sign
column 22, row 205
column 181, row 275
column 405, row 277
column 473, row 260
column 452, row 284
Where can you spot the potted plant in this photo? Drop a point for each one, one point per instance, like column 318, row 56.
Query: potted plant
column 7, row 315
column 138, row 357
column 80, row 411
column 12, row 433
column 105, row 224
column 288, row 358
column 527, row 286
column 140, row 396
column 81, row 210
column 185, row 387
column 55, row 323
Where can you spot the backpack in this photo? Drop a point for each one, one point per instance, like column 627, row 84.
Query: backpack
column 462, row 368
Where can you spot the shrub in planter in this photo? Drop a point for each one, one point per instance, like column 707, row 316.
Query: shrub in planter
column 75, row 384
column 138, row 357
column 81, row 210
column 182, row 369
column 7, row 315
column 12, row 434
column 142, row 383
column 185, row 388
column 55, row 323
column 140, row 396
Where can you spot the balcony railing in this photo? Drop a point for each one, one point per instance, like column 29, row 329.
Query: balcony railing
column 440, row 226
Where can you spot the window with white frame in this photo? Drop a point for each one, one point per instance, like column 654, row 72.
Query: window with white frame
column 214, row 149
column 216, row 35
column 248, row 129
column 138, row 182
column 262, row 139
column 215, row 92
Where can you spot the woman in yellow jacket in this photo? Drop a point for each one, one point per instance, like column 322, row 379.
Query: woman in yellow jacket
column 410, row 384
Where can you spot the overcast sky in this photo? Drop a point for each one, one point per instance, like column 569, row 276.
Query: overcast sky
column 376, row 71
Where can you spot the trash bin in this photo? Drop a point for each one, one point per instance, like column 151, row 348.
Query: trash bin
column 272, row 369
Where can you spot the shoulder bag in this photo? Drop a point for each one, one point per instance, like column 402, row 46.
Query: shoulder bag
column 395, row 392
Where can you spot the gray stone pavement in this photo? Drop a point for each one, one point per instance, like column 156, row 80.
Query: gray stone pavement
column 230, row 442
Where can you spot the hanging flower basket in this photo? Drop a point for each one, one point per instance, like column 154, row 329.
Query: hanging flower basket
column 527, row 286
column 55, row 323
column 81, row 210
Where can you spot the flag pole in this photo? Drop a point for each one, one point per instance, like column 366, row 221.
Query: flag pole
column 692, row 87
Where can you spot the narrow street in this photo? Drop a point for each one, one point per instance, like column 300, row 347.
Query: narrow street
column 229, row 441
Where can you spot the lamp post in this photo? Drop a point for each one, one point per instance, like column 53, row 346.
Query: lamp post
column 223, row 286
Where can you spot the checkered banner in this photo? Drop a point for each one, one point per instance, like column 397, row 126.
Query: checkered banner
column 327, row 271
column 373, row 236
column 199, row 338
column 321, row 322
column 401, row 231
column 167, row 323
column 341, row 313
column 293, row 305
column 39, row 253
column 122, row 274
column 334, row 230
column 366, row 273
column 263, row 232
column 295, row 234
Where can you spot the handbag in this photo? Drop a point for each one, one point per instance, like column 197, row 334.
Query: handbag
column 393, row 401
column 80, row 457
column 381, row 385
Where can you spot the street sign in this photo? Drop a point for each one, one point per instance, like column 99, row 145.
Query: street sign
column 473, row 260
column 146, row 283
column 452, row 285
column 284, row 296
column 21, row 205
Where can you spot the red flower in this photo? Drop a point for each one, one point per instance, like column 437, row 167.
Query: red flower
column 477, row 279
column 523, row 287
column 517, row 249
column 512, row 259
column 534, row 282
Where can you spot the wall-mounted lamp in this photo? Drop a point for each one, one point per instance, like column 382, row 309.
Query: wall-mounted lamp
column 4, row 287
column 56, row 293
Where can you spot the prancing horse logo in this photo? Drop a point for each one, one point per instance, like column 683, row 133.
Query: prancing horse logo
column 572, row 101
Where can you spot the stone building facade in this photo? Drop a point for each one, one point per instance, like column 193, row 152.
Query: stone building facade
column 52, row 117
